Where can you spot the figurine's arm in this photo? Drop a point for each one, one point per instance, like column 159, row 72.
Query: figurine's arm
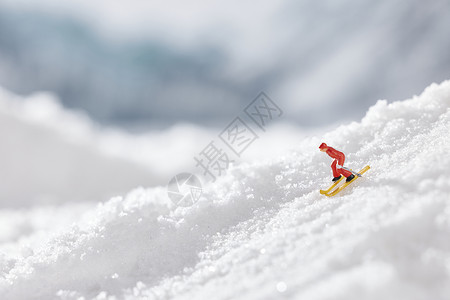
column 340, row 158
column 338, row 155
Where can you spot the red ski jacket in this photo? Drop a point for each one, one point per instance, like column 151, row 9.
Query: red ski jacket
column 338, row 155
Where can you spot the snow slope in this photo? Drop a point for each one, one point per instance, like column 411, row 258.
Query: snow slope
column 62, row 156
column 262, row 231
column 49, row 155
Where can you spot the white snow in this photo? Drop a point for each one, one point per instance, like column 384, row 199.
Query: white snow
column 49, row 155
column 263, row 231
column 85, row 162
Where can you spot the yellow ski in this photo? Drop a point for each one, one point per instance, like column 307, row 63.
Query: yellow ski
column 337, row 190
column 324, row 192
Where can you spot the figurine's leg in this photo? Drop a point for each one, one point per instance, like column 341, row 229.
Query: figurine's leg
column 335, row 171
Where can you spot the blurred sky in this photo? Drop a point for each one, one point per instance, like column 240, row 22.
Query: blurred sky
column 158, row 63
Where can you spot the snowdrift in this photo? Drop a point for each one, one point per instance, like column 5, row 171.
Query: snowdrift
column 263, row 231
column 51, row 155
column 61, row 156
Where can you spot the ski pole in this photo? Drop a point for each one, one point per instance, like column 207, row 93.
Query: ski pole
column 357, row 174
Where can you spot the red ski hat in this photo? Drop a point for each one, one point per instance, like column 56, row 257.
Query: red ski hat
column 323, row 146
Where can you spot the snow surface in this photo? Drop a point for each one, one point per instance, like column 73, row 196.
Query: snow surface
column 263, row 231
column 47, row 153
column 86, row 162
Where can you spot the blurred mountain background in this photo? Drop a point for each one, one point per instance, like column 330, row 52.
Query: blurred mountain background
column 140, row 64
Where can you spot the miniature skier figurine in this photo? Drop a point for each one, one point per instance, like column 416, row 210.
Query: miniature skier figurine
column 337, row 164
